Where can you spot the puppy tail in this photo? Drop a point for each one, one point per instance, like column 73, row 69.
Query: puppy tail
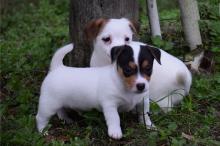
column 185, row 79
column 57, row 59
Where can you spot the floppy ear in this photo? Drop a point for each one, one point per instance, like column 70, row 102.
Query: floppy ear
column 155, row 52
column 115, row 52
column 93, row 28
column 134, row 26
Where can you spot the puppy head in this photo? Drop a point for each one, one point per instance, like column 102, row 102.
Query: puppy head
column 107, row 33
column 135, row 64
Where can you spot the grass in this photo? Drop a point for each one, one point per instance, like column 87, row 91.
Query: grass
column 29, row 36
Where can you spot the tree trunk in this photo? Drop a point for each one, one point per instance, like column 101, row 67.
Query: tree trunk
column 153, row 17
column 189, row 18
column 3, row 6
column 83, row 11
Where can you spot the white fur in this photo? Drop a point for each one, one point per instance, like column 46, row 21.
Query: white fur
column 171, row 80
column 117, row 29
column 164, row 80
column 58, row 56
column 84, row 89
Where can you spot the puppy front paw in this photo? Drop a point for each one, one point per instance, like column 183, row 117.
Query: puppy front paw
column 115, row 132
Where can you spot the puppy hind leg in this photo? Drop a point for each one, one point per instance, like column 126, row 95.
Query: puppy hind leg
column 171, row 100
column 42, row 121
column 61, row 113
column 44, row 113
column 166, row 104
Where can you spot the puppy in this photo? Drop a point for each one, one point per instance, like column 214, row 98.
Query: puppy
column 105, row 34
column 111, row 89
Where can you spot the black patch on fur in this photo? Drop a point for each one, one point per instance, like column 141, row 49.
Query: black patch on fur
column 115, row 51
column 155, row 52
column 124, row 56
column 148, row 53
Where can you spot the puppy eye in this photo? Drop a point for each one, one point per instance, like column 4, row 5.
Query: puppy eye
column 147, row 70
column 106, row 39
column 128, row 71
column 127, row 39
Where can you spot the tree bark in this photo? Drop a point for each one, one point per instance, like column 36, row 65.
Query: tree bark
column 3, row 6
column 153, row 17
column 189, row 18
column 83, row 11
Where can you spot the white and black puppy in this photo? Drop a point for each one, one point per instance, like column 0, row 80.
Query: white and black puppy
column 110, row 89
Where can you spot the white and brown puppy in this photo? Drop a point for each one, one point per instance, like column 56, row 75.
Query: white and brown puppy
column 110, row 89
column 105, row 34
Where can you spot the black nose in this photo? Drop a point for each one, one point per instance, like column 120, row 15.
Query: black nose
column 140, row 86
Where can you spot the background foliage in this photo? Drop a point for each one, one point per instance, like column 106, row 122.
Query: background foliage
column 30, row 33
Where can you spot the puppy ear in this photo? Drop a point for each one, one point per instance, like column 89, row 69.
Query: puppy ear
column 155, row 52
column 115, row 52
column 134, row 25
column 93, row 28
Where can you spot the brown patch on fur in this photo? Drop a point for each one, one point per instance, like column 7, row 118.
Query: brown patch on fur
column 144, row 64
column 180, row 79
column 134, row 26
column 132, row 65
column 128, row 81
column 94, row 27
column 147, row 77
